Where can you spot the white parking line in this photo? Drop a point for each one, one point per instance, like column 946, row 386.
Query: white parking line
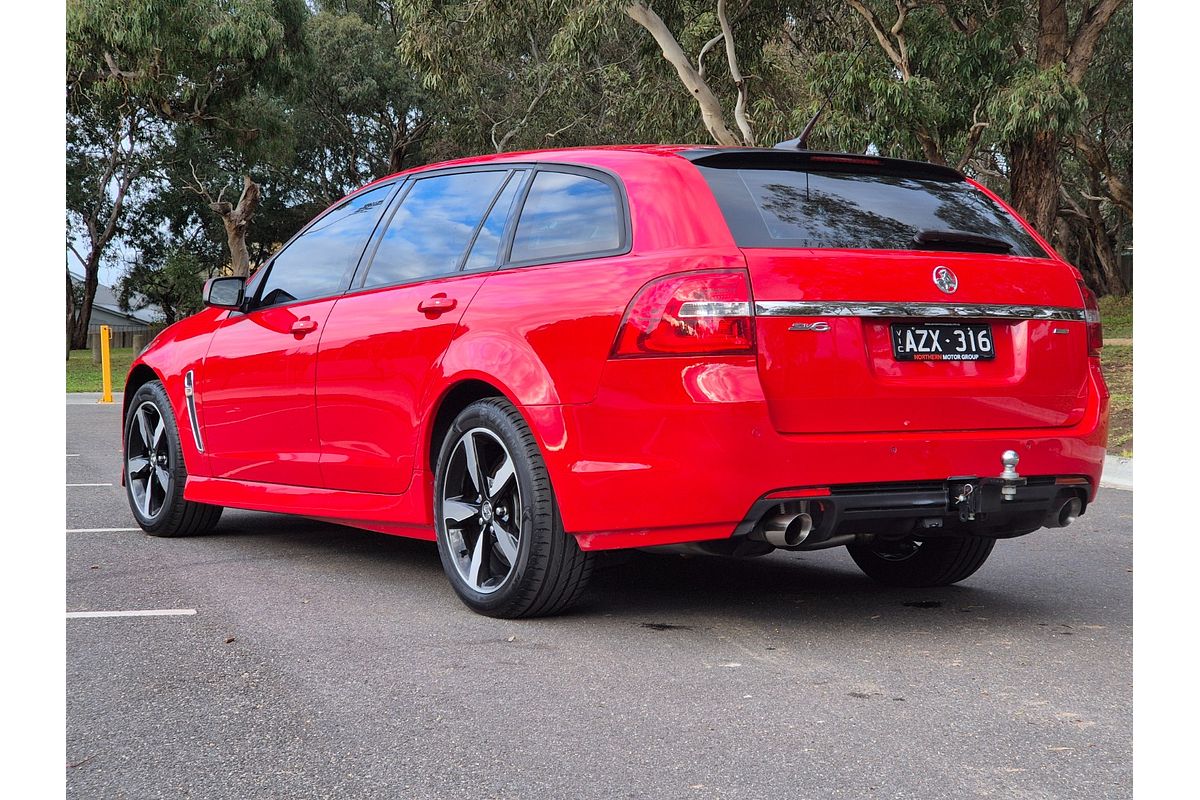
column 76, row 485
column 160, row 612
column 72, row 455
column 102, row 530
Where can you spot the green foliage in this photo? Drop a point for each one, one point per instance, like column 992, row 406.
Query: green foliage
column 1037, row 100
column 174, row 285
column 317, row 97
column 207, row 63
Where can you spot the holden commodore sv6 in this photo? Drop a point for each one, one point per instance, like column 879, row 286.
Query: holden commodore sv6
column 532, row 357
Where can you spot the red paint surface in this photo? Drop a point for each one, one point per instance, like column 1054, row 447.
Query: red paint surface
column 336, row 424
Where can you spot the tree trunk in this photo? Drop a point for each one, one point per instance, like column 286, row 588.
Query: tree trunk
column 706, row 99
column 1034, row 178
column 237, row 221
column 1035, row 174
column 70, row 313
column 83, row 318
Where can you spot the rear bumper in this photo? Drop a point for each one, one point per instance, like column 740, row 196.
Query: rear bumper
column 675, row 450
column 968, row 505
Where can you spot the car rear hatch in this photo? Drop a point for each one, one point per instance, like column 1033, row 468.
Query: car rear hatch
column 894, row 296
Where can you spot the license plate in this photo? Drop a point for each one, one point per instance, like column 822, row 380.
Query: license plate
column 942, row 341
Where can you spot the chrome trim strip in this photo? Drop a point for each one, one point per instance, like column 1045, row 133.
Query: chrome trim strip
column 189, row 396
column 796, row 308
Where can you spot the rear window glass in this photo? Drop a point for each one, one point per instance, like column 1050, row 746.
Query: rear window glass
column 796, row 208
column 567, row 215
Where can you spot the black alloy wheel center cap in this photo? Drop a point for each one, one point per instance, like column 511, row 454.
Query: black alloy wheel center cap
column 486, row 511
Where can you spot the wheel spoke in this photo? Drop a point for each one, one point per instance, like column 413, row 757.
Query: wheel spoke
column 477, row 558
column 158, row 432
column 504, row 473
column 146, row 497
column 473, row 469
column 163, row 477
column 143, row 426
column 135, row 465
column 506, row 541
column 481, row 510
column 458, row 510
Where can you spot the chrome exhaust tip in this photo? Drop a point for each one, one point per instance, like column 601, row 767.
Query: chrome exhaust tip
column 787, row 530
column 1065, row 514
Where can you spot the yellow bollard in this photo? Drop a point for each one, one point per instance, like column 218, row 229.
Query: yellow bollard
column 106, row 363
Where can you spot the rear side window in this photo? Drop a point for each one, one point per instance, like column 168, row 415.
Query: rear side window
column 567, row 215
column 431, row 230
column 858, row 210
column 320, row 261
column 490, row 239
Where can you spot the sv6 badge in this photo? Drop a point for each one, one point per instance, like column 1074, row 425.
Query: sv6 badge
column 810, row 326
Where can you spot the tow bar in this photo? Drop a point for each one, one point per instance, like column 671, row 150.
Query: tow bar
column 973, row 496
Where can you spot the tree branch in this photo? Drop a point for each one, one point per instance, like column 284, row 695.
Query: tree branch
column 1087, row 36
column 709, row 45
column 710, row 106
column 739, row 109
column 881, row 34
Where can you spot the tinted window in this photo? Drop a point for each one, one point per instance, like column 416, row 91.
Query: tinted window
column 795, row 208
column 432, row 229
column 486, row 250
column 565, row 215
column 319, row 263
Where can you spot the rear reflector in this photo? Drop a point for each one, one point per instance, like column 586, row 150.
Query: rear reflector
column 1070, row 481
column 707, row 312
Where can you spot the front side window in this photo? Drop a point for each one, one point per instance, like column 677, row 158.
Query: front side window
column 433, row 227
column 567, row 215
column 321, row 260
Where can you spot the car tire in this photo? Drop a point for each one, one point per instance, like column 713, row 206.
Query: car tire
column 154, row 470
column 932, row 562
column 503, row 546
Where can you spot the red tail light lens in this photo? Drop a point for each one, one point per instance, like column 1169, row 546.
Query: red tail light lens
column 1091, row 316
column 687, row 314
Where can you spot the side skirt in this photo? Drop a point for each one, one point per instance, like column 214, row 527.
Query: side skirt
column 405, row 514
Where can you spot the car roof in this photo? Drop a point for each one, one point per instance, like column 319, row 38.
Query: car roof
column 700, row 154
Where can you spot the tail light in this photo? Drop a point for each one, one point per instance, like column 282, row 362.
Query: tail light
column 1091, row 316
column 692, row 313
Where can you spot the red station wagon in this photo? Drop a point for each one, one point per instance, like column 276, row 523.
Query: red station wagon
column 532, row 357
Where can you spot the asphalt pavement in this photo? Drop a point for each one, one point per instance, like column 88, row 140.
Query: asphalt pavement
column 324, row 662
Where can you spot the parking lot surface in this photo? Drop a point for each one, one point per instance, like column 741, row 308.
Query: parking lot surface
column 324, row 662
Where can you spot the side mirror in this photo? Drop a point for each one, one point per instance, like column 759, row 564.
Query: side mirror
column 225, row 292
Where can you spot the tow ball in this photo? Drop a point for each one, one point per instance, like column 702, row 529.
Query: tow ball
column 976, row 496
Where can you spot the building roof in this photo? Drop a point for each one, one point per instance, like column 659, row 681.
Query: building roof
column 106, row 299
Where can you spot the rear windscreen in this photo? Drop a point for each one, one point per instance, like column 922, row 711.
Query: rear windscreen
column 797, row 208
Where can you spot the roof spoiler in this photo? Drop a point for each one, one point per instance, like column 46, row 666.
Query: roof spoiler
column 772, row 158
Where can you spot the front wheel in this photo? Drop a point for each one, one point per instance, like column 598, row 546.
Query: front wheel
column 154, row 470
column 922, row 563
column 499, row 533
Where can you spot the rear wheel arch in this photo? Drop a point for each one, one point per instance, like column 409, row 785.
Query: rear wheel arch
column 452, row 403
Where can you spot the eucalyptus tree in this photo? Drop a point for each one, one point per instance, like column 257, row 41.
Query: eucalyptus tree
column 210, row 70
column 502, row 76
column 107, row 153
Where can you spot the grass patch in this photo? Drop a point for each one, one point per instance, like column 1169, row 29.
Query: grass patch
column 1117, row 362
column 1116, row 314
column 83, row 376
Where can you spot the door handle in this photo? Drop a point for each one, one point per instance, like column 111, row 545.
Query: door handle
column 302, row 327
column 438, row 304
